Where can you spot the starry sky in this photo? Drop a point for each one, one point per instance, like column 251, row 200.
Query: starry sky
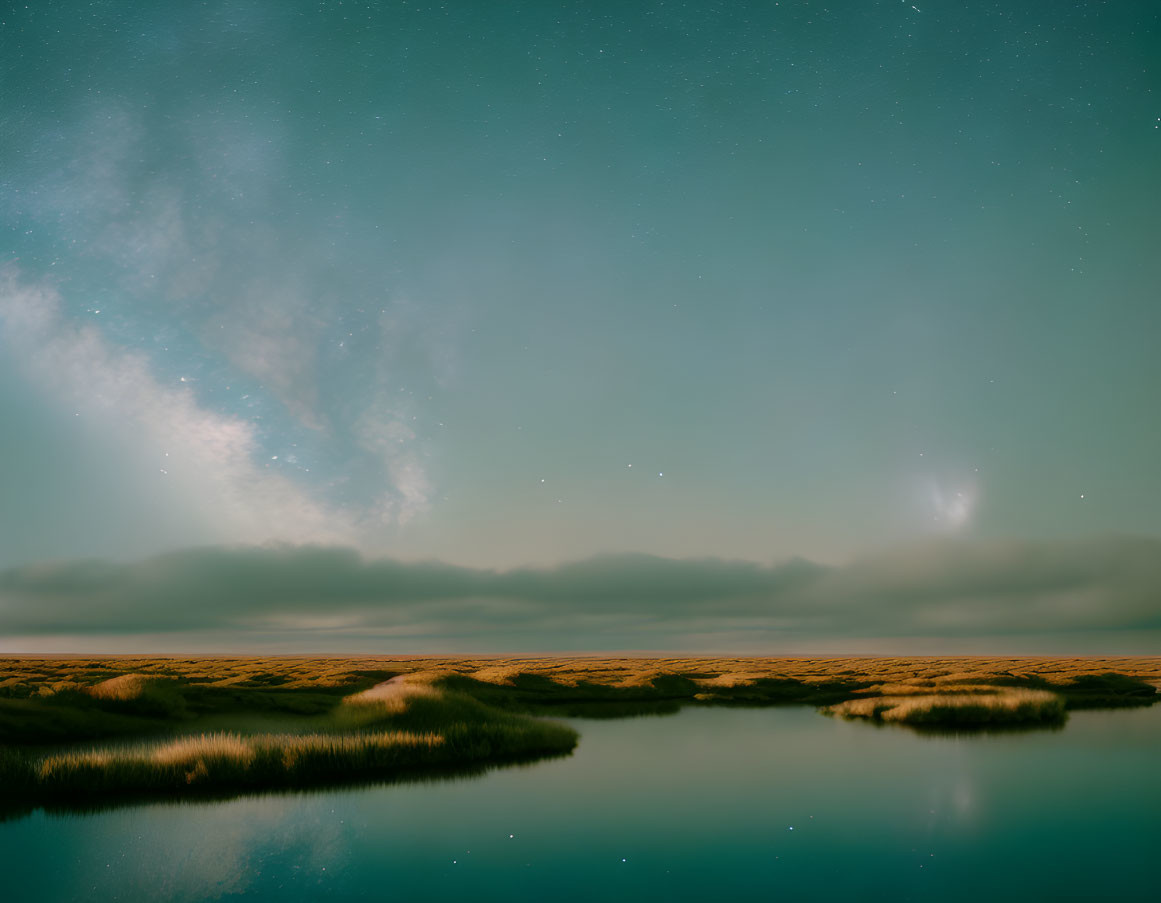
column 796, row 290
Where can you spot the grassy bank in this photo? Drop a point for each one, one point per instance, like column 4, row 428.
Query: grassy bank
column 194, row 726
column 365, row 736
column 53, row 702
column 317, row 683
column 975, row 707
column 232, row 762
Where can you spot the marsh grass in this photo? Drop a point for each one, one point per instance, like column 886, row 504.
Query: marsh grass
column 122, row 688
column 983, row 706
column 317, row 683
column 295, row 721
column 46, row 701
column 20, row 806
column 229, row 761
column 374, row 734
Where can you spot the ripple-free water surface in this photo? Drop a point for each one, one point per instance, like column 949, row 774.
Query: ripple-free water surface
column 707, row 804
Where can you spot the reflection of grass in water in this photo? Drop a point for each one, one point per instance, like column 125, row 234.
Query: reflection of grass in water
column 978, row 706
column 610, row 710
column 979, row 730
column 15, row 808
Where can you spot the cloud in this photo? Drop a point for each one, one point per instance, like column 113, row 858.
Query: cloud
column 179, row 231
column 314, row 597
column 211, row 458
column 385, row 432
column 184, row 224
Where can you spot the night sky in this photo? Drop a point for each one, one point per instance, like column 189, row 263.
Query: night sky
column 798, row 290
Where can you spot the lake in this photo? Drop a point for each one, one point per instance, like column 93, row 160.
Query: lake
column 711, row 803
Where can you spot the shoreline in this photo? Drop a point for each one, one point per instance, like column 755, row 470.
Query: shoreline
column 79, row 729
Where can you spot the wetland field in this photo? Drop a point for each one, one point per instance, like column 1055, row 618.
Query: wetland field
column 591, row 778
column 79, row 730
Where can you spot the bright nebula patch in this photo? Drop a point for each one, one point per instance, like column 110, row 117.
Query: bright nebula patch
column 952, row 504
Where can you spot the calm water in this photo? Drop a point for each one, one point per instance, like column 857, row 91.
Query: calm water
column 707, row 804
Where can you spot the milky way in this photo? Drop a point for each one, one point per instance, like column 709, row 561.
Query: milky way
column 427, row 280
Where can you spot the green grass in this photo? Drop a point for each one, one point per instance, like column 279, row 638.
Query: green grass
column 156, row 706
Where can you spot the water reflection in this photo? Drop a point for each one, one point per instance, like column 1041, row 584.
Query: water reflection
column 965, row 731
column 15, row 809
column 716, row 803
column 608, row 710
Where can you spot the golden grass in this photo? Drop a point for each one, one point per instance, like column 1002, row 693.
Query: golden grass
column 732, row 679
column 979, row 705
column 228, row 760
column 39, row 702
column 384, row 700
column 123, row 687
column 403, row 724
column 926, row 688
column 336, row 719
column 198, row 753
column 501, row 676
column 21, row 676
column 393, row 695
column 187, row 749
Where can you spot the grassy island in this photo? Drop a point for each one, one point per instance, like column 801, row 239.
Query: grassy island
column 960, row 707
column 89, row 729
column 405, row 724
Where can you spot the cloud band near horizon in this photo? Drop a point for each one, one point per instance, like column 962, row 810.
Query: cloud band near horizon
column 1044, row 596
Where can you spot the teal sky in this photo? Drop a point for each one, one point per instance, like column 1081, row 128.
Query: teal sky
column 520, row 283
